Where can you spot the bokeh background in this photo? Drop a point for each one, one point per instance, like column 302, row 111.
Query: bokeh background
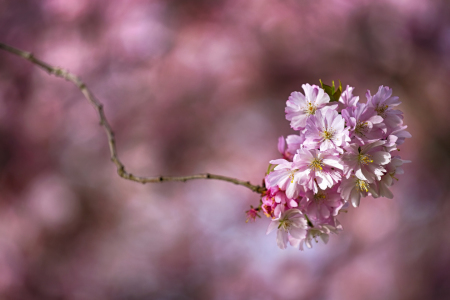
column 200, row 86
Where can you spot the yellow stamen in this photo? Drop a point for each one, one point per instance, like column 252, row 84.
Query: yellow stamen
column 292, row 174
column 328, row 134
column 360, row 127
column 316, row 164
column 362, row 185
column 364, row 159
column 310, row 109
column 381, row 109
column 319, row 197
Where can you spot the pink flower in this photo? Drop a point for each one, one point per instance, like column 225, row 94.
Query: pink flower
column 327, row 131
column 393, row 168
column 397, row 134
column 366, row 161
column 355, row 187
column 317, row 169
column 347, row 99
column 252, row 213
column 383, row 102
column 294, row 142
column 286, row 176
column 317, row 230
column 291, row 222
column 323, row 204
column 275, row 202
column 268, row 205
column 364, row 124
column 342, row 153
column 300, row 107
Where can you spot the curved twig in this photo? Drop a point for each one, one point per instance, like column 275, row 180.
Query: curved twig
column 62, row 73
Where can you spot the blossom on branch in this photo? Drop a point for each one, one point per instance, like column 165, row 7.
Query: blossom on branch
column 342, row 153
column 300, row 108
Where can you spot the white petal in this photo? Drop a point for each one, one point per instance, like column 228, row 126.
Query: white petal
column 273, row 224
column 298, row 232
column 282, row 239
column 384, row 191
column 298, row 121
column 276, row 177
column 370, row 177
column 297, row 98
column 333, row 162
column 292, row 190
column 373, row 191
column 278, row 162
column 381, row 157
column 360, row 175
column 355, row 197
column 294, row 242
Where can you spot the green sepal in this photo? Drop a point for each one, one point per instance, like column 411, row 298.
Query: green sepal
column 270, row 168
column 338, row 92
column 308, row 221
column 334, row 93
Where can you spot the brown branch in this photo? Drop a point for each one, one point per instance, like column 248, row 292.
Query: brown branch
column 62, row 73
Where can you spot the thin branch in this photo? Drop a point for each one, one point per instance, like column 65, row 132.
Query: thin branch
column 62, row 73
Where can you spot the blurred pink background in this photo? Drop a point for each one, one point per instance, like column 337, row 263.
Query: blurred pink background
column 200, row 86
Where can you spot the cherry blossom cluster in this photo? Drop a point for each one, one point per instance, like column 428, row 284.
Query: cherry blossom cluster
column 343, row 150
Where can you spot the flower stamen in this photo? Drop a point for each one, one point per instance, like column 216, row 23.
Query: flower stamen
column 310, row 109
column 328, row 134
column 361, row 127
column 292, row 174
column 316, row 165
column 319, row 197
column 361, row 185
column 364, row 159
column 381, row 109
column 285, row 224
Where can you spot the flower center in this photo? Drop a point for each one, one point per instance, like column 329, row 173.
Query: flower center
column 316, row 165
column 310, row 109
column 361, row 127
column 361, row 185
column 381, row 109
column 364, row 159
column 319, row 197
column 285, row 224
column 328, row 134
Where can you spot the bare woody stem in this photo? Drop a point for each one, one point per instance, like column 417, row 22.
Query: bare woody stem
column 62, row 73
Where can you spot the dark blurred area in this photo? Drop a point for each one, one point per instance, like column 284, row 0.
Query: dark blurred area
column 200, row 86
